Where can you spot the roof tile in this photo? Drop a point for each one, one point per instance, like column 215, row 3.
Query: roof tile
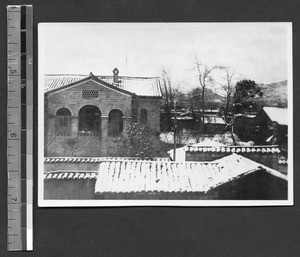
column 233, row 149
column 141, row 86
column 70, row 174
column 91, row 159
column 126, row 176
column 153, row 176
column 279, row 115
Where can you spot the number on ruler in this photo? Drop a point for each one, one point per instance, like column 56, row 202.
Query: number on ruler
column 13, row 134
column 13, row 71
column 30, row 61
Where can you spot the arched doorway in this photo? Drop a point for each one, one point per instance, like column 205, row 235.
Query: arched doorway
column 89, row 119
column 115, row 122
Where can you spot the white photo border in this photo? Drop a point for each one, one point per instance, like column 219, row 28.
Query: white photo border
column 196, row 203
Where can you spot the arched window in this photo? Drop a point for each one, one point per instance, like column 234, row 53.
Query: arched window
column 89, row 119
column 63, row 121
column 115, row 122
column 134, row 115
column 144, row 116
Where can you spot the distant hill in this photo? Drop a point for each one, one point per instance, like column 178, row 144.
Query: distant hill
column 274, row 94
column 214, row 98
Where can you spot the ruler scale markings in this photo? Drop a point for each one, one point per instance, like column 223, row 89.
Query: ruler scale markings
column 19, row 138
column 15, row 243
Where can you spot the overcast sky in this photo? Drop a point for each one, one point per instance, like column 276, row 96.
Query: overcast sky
column 257, row 51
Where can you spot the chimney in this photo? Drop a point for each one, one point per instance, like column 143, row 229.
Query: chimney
column 116, row 75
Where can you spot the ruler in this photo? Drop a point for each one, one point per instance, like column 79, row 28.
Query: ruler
column 19, row 127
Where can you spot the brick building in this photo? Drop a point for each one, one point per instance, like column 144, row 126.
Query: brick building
column 84, row 114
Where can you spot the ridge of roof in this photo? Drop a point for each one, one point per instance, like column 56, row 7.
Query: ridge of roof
column 70, row 174
column 233, row 158
column 108, row 159
column 274, row 108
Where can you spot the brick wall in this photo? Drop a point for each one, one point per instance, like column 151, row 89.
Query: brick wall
column 85, row 166
column 259, row 185
column 69, row 189
column 99, row 144
column 153, row 108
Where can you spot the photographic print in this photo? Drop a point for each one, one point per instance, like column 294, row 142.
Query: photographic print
column 185, row 114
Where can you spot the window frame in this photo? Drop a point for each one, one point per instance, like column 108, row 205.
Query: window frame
column 110, row 131
column 134, row 115
column 63, row 121
column 144, row 116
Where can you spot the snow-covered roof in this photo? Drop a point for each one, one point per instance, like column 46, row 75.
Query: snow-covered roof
column 70, row 174
column 235, row 166
column 205, row 139
column 182, row 118
column 280, row 115
column 92, row 159
column 149, row 176
column 154, row 176
column 141, row 86
column 120, row 175
column 214, row 120
column 233, row 149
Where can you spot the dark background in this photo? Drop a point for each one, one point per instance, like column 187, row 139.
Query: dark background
column 156, row 231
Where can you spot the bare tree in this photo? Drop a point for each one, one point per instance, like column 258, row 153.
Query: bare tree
column 204, row 78
column 76, row 145
column 170, row 93
column 139, row 141
column 49, row 142
column 229, row 88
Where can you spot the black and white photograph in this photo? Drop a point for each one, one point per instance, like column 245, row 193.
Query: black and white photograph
column 182, row 114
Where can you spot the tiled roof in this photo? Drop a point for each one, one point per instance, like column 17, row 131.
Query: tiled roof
column 182, row 118
column 129, row 176
column 279, row 115
column 70, row 174
column 141, row 86
column 214, row 120
column 93, row 159
column 235, row 166
column 282, row 160
column 233, row 149
column 149, row 176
